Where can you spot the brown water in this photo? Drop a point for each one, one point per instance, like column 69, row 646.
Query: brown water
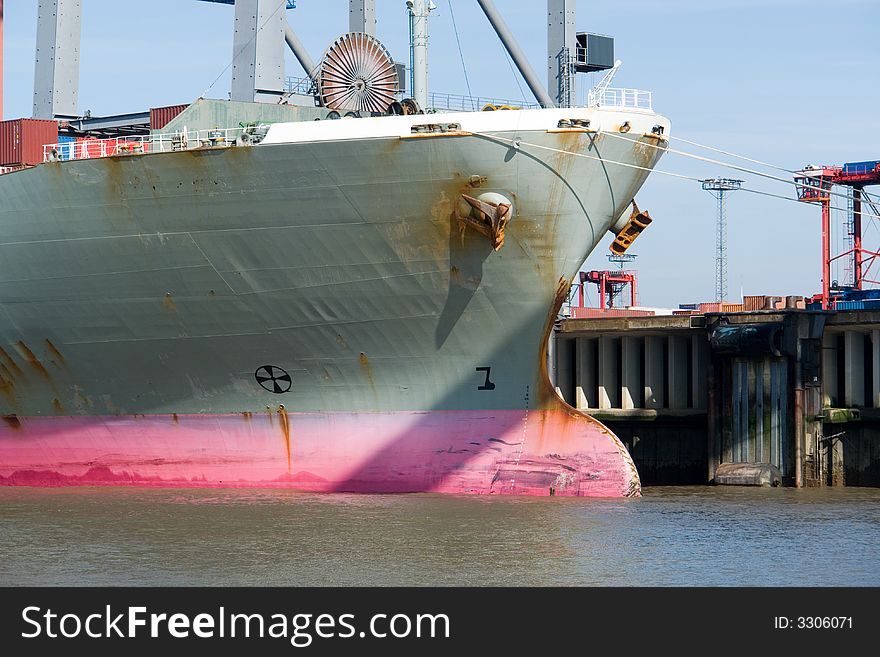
column 669, row 537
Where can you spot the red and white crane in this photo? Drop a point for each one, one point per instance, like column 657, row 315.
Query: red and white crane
column 814, row 185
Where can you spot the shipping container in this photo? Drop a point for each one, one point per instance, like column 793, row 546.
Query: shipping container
column 754, row 302
column 731, row 307
column 66, row 147
column 850, row 305
column 597, row 313
column 851, row 168
column 22, row 140
column 685, row 312
column 861, row 295
column 710, row 307
column 89, row 147
column 162, row 116
column 688, row 306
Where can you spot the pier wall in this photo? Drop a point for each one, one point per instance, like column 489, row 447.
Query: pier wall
column 793, row 389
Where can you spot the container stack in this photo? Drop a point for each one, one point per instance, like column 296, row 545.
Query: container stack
column 162, row 116
column 22, row 141
column 596, row 313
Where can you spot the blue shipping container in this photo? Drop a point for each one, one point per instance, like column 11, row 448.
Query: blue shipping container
column 850, row 305
column 67, row 147
column 860, row 167
column 864, row 295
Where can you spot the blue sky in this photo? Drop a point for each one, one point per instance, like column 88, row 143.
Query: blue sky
column 789, row 82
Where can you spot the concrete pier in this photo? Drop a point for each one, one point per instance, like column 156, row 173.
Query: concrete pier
column 794, row 390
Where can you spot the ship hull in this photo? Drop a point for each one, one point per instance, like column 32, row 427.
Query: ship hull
column 501, row 452
column 139, row 289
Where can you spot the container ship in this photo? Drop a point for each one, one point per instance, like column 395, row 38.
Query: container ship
column 325, row 303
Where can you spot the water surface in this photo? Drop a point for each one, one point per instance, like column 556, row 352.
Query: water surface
column 672, row 536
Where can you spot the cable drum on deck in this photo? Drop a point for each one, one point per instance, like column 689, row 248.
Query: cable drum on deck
column 357, row 74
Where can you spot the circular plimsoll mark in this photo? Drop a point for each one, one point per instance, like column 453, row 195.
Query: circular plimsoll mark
column 273, row 378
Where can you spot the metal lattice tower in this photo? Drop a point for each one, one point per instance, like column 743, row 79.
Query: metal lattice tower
column 718, row 187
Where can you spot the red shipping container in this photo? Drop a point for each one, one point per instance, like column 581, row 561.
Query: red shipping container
column 162, row 116
column 22, row 140
column 712, row 307
column 597, row 313
column 731, row 307
column 89, row 147
column 754, row 302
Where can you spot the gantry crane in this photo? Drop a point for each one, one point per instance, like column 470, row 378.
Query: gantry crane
column 814, row 185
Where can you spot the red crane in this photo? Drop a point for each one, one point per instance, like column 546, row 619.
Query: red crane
column 814, row 186
column 610, row 284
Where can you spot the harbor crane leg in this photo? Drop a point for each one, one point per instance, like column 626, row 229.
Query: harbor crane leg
column 826, row 254
column 258, row 50
column 857, row 237
column 362, row 16
column 299, row 51
column 516, row 54
column 56, row 74
column 561, row 48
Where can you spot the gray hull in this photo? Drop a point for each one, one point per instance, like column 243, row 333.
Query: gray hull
column 162, row 283
column 166, row 280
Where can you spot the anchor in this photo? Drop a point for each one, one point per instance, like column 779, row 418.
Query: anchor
column 489, row 219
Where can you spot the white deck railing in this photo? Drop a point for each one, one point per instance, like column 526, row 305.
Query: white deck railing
column 459, row 103
column 623, row 98
column 138, row 145
column 607, row 97
column 223, row 137
column 301, row 86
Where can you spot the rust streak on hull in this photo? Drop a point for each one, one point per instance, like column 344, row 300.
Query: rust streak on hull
column 7, row 389
column 54, row 351
column 285, row 429
column 31, row 358
column 367, row 367
column 13, row 368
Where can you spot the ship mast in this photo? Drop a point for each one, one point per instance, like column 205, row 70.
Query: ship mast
column 418, row 11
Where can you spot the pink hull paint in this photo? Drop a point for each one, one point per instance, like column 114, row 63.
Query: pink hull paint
column 485, row 452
